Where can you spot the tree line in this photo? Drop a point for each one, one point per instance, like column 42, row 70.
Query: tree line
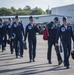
column 27, row 10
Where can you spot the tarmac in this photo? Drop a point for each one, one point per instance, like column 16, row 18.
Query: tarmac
column 9, row 65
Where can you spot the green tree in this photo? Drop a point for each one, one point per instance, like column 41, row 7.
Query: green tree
column 22, row 13
column 48, row 11
column 19, row 9
column 27, row 8
column 13, row 9
column 37, row 11
column 5, row 12
column 26, row 11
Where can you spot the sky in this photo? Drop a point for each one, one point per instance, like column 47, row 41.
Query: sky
column 35, row 3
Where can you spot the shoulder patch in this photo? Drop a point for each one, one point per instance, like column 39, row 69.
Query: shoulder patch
column 9, row 26
column 62, row 29
column 0, row 26
column 29, row 27
column 15, row 25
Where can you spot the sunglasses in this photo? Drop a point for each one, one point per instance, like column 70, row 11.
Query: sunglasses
column 56, row 21
column 31, row 20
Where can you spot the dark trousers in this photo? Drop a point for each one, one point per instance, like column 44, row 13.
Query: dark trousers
column 67, row 50
column 11, row 45
column 0, row 40
column 16, row 46
column 50, row 49
column 3, row 45
column 5, row 40
column 32, row 48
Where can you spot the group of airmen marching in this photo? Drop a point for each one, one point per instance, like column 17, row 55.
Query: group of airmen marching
column 17, row 34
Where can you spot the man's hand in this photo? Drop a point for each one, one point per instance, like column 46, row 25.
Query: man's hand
column 12, row 37
column 9, row 39
column 60, row 42
column 56, row 44
column 24, row 41
column 3, row 38
column 34, row 24
column 73, row 44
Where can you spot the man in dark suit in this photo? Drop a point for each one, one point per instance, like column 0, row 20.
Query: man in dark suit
column 66, row 32
column 52, row 32
column 31, row 30
column 18, row 31
column 2, row 33
column 10, row 34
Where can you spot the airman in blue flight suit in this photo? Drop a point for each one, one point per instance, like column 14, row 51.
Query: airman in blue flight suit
column 2, row 34
column 5, row 36
column 18, row 31
column 10, row 34
column 31, row 30
column 52, row 32
column 66, row 32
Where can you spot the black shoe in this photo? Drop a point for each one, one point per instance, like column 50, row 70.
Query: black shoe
column 16, row 56
column 33, row 60
column 21, row 56
column 2, row 50
column 60, row 62
column 30, row 60
column 67, row 67
column 49, row 62
column 0, row 46
column 11, row 52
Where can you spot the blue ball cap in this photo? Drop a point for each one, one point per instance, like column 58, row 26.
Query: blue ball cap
column 9, row 19
column 56, row 18
column 30, row 17
column 0, row 19
column 16, row 17
column 64, row 18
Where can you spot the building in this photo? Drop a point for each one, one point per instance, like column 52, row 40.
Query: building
column 67, row 10
column 37, row 18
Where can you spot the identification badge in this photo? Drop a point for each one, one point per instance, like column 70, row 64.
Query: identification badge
column 62, row 29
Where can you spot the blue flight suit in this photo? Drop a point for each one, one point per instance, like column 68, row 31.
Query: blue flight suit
column 66, row 34
column 18, row 31
column 52, row 32
column 31, row 31
column 2, row 34
column 10, row 35
column 5, row 36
